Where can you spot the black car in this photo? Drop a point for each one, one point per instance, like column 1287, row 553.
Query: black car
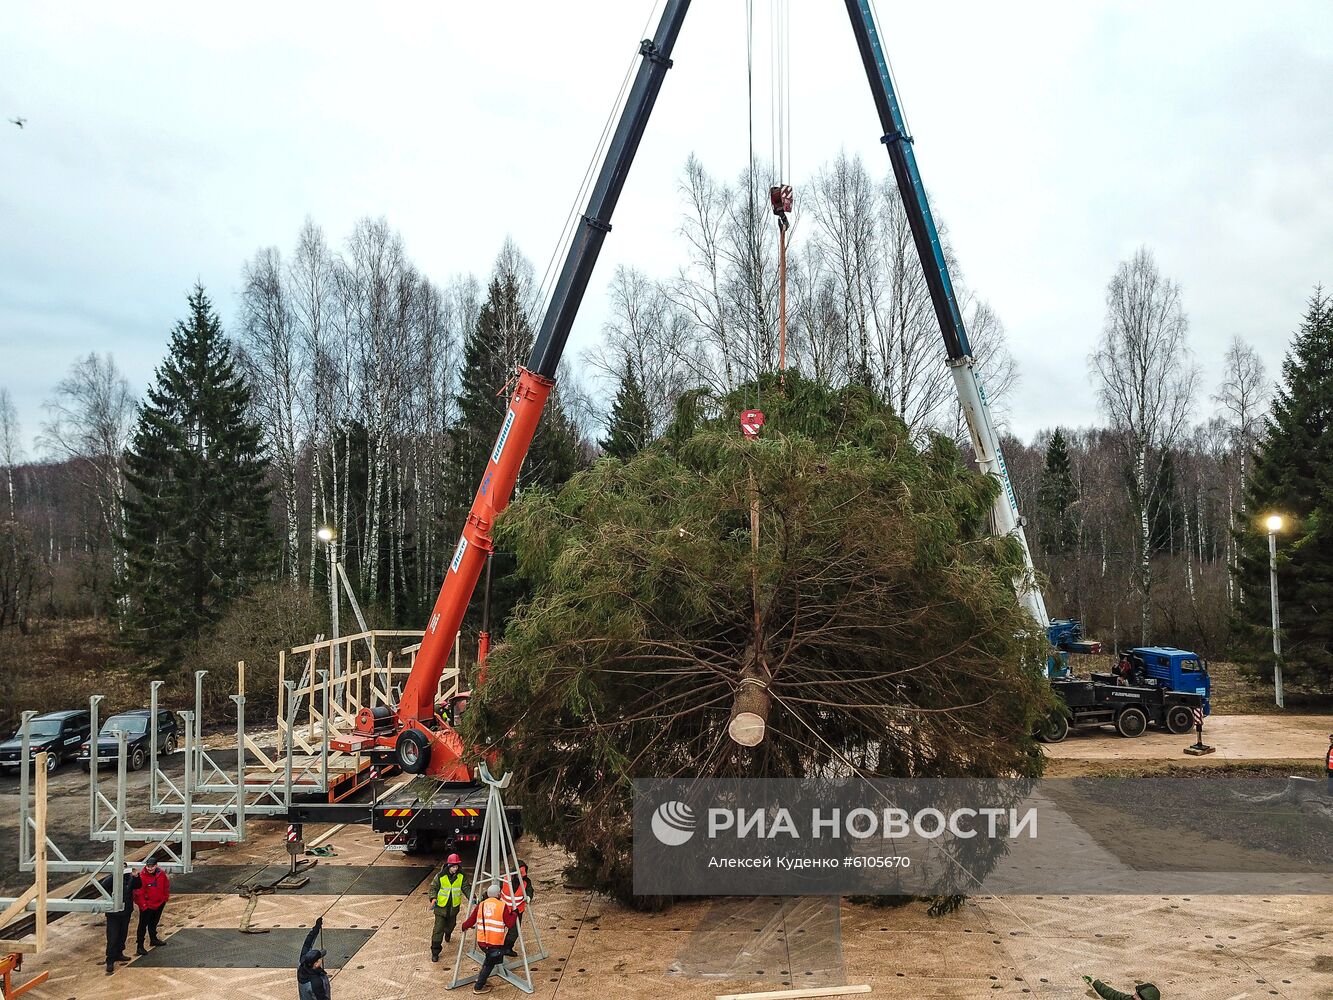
column 58, row 733
column 137, row 739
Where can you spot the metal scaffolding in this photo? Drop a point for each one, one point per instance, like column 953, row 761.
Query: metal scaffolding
column 209, row 802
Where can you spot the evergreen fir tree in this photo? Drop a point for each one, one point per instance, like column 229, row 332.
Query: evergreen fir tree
column 197, row 531
column 630, row 423
column 492, row 352
column 1293, row 476
column 1056, row 498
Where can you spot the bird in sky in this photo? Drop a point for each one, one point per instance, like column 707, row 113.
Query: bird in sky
column 20, row 121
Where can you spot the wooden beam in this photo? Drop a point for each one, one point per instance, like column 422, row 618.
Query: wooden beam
column 40, row 860
column 815, row 991
column 16, row 909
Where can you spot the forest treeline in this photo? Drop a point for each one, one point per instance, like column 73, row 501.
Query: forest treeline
column 369, row 393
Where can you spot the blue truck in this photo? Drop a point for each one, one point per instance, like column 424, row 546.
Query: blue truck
column 1153, row 685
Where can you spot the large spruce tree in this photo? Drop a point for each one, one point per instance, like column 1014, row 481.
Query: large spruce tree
column 653, row 607
column 1293, row 476
column 197, row 532
column 1056, row 498
column 631, row 422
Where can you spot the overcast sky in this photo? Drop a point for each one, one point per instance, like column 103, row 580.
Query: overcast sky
column 165, row 143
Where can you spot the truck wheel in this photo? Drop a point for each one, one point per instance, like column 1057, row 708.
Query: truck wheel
column 412, row 751
column 137, row 758
column 1131, row 722
column 1179, row 719
column 1054, row 729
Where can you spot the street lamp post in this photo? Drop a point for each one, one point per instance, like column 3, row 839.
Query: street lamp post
column 330, row 538
column 1274, row 525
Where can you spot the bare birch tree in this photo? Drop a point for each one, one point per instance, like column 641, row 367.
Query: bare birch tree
column 310, row 280
column 89, row 419
column 274, row 361
column 651, row 332
column 11, row 447
column 1146, row 382
column 1242, row 394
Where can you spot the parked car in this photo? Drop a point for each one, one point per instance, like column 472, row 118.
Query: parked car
column 58, row 733
column 137, row 739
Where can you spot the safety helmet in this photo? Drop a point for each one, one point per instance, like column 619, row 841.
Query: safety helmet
column 453, row 859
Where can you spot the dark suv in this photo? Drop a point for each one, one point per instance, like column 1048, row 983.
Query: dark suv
column 58, row 733
column 137, row 739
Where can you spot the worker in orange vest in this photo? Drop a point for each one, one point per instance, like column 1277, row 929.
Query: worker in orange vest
column 492, row 919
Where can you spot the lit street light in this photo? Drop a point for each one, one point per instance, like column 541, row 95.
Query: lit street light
column 330, row 538
column 1274, row 525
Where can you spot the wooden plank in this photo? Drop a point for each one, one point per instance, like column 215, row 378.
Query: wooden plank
column 16, row 909
column 393, row 633
column 40, row 859
column 814, row 991
column 253, row 748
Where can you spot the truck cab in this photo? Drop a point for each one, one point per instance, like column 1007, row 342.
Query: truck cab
column 1175, row 670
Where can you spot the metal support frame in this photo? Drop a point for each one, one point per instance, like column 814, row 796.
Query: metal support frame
column 39, row 854
column 497, row 861
column 36, row 896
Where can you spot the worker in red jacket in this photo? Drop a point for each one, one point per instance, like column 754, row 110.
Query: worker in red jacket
column 492, row 919
column 151, row 892
column 516, row 895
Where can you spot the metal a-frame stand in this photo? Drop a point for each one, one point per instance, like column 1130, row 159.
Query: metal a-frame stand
column 497, row 861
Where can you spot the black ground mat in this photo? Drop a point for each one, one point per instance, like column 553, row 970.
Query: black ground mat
column 224, row 948
column 325, row 880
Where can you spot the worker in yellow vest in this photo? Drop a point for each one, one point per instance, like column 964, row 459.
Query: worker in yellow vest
column 448, row 899
column 492, row 919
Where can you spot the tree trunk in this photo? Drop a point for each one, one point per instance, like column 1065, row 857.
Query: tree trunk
column 1145, row 542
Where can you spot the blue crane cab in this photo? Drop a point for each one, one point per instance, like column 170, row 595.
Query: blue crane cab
column 1175, row 670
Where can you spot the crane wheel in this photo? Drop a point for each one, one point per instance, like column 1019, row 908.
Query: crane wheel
column 412, row 751
column 1179, row 719
column 1131, row 722
column 1053, row 730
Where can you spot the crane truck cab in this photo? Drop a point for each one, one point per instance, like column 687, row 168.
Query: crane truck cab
column 1175, row 670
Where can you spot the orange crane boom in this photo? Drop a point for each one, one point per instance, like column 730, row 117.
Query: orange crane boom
column 421, row 741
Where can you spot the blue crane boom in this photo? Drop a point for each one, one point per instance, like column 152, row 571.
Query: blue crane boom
column 962, row 365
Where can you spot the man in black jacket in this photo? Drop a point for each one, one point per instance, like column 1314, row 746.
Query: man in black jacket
column 118, row 921
column 311, row 978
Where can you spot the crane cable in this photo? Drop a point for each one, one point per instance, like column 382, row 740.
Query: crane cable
column 780, row 194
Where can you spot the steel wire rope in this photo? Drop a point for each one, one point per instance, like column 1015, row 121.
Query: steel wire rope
column 550, row 275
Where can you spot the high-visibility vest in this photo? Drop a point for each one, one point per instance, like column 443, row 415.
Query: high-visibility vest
column 491, row 923
column 450, row 891
column 513, row 898
column 1328, row 761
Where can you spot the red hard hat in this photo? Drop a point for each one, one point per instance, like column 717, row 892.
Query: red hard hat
column 453, row 859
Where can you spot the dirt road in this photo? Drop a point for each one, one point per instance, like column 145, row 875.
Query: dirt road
column 1236, row 737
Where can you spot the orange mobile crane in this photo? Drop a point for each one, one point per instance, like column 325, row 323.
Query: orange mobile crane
column 416, row 736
